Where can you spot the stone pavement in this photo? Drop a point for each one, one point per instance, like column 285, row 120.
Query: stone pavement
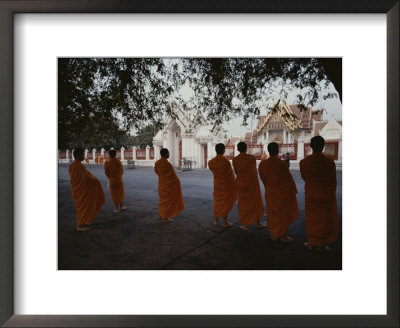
column 136, row 240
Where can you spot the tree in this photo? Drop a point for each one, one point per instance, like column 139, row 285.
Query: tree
column 101, row 99
column 228, row 87
column 144, row 136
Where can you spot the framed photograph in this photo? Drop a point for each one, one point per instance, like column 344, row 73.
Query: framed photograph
column 36, row 293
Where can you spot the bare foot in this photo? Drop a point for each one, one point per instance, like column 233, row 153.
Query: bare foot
column 82, row 228
column 122, row 208
column 215, row 222
column 116, row 211
column 167, row 220
column 244, row 228
column 308, row 246
column 260, row 225
column 286, row 239
column 323, row 248
column 227, row 224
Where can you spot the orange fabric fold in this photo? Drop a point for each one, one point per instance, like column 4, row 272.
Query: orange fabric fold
column 280, row 195
column 319, row 174
column 87, row 193
column 224, row 185
column 169, row 190
column 250, row 203
column 114, row 171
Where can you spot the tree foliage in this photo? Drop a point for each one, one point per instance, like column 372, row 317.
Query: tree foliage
column 144, row 137
column 101, row 99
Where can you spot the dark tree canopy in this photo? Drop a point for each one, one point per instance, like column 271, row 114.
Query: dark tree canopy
column 101, row 99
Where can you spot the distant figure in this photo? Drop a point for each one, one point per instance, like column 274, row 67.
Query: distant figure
column 169, row 188
column 319, row 173
column 287, row 159
column 114, row 171
column 280, row 194
column 86, row 191
column 263, row 155
column 224, row 185
column 250, row 204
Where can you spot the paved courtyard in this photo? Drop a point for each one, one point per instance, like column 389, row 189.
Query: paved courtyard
column 136, row 240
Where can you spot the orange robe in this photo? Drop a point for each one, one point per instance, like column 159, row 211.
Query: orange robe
column 224, row 185
column 250, row 203
column 169, row 190
column 114, row 171
column 319, row 173
column 87, row 193
column 280, row 195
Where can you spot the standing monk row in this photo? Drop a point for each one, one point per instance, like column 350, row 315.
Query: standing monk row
column 319, row 173
column 224, row 185
column 169, row 188
column 280, row 194
column 114, row 170
column 250, row 204
column 86, row 191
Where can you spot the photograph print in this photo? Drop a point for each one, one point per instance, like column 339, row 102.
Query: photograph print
column 199, row 163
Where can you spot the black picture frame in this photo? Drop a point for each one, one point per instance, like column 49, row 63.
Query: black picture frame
column 10, row 7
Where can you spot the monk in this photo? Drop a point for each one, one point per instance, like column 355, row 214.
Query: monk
column 114, row 171
column 86, row 190
column 224, row 185
column 169, row 188
column 280, row 194
column 319, row 173
column 250, row 204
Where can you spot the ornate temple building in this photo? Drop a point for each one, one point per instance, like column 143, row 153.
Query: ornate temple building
column 186, row 136
column 293, row 129
column 287, row 124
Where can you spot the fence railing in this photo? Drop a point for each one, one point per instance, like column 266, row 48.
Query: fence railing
column 255, row 150
column 290, row 148
column 100, row 156
column 331, row 149
column 140, row 154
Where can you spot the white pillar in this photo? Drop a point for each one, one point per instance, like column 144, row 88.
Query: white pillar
column 66, row 154
column 86, row 152
column 236, row 152
column 284, row 136
column 340, row 151
column 122, row 153
column 102, row 152
column 94, row 153
column 134, row 153
column 267, row 136
column 300, row 150
column 72, row 153
column 210, row 151
column 147, row 152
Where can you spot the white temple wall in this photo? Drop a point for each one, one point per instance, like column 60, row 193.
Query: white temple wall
column 210, row 150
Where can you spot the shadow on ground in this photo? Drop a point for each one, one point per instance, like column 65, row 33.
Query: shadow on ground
column 136, row 240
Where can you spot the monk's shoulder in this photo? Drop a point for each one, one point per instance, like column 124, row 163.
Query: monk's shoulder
column 263, row 164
